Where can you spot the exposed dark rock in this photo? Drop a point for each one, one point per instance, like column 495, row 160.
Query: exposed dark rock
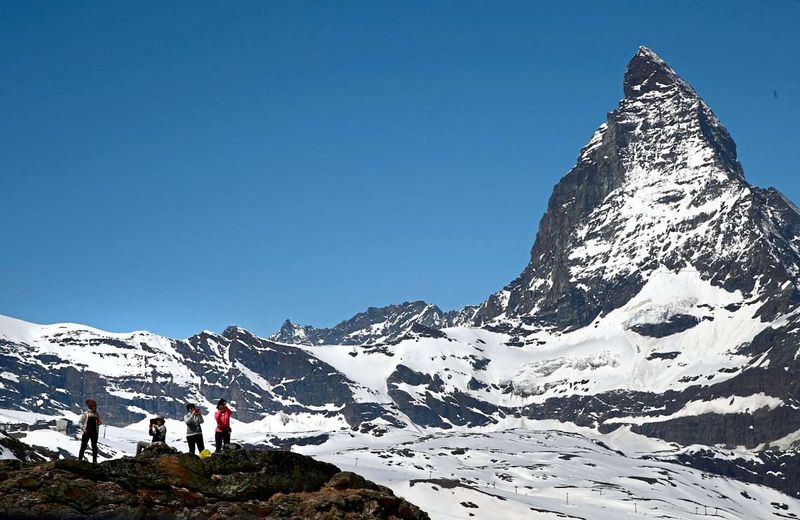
column 159, row 484
column 359, row 414
column 286, row 443
column 419, row 413
column 663, row 355
column 20, row 450
column 474, row 384
column 403, row 374
column 397, row 321
column 777, row 469
column 676, row 323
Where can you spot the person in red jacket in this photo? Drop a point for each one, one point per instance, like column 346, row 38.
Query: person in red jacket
column 222, row 436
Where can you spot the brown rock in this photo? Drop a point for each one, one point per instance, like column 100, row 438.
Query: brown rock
column 163, row 484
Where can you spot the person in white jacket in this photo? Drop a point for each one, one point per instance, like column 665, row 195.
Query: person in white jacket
column 89, row 423
column 194, row 428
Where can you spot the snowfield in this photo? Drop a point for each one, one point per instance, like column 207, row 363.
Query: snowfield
column 546, row 470
column 608, row 355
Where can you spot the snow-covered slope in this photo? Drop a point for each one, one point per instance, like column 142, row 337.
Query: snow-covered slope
column 549, row 474
column 53, row 368
column 540, row 470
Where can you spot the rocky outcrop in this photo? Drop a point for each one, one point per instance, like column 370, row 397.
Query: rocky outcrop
column 773, row 468
column 160, row 483
column 434, row 406
column 13, row 449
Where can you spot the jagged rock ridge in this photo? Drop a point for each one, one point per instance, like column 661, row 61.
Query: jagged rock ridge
column 137, row 373
column 375, row 325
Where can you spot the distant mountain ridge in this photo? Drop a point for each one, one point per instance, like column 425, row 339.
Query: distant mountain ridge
column 375, row 325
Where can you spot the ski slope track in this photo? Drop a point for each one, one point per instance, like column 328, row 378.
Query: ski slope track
column 659, row 309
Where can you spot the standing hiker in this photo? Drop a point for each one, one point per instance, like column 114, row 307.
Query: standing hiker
column 222, row 435
column 158, row 432
column 194, row 428
column 90, row 429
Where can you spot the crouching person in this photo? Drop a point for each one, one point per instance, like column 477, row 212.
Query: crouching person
column 194, row 428
column 158, row 432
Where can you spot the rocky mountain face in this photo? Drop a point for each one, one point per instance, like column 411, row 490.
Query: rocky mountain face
column 778, row 469
column 375, row 325
column 661, row 296
column 161, row 483
column 658, row 185
column 52, row 369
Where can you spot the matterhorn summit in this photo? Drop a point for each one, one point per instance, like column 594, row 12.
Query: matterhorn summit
column 658, row 186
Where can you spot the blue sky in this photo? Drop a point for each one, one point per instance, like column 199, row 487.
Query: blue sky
column 179, row 166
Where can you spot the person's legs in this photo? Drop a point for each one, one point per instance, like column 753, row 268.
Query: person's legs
column 218, row 441
column 226, row 437
column 140, row 446
column 84, row 442
column 94, row 448
column 200, row 445
column 190, row 440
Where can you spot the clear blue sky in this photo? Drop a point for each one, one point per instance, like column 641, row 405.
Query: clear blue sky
column 178, row 166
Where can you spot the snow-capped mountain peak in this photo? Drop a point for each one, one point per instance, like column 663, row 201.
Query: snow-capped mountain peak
column 647, row 72
column 658, row 185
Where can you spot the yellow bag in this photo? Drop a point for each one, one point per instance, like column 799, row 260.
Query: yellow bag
column 205, row 453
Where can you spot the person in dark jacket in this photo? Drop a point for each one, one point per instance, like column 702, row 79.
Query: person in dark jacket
column 89, row 423
column 222, row 435
column 194, row 428
column 158, row 432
